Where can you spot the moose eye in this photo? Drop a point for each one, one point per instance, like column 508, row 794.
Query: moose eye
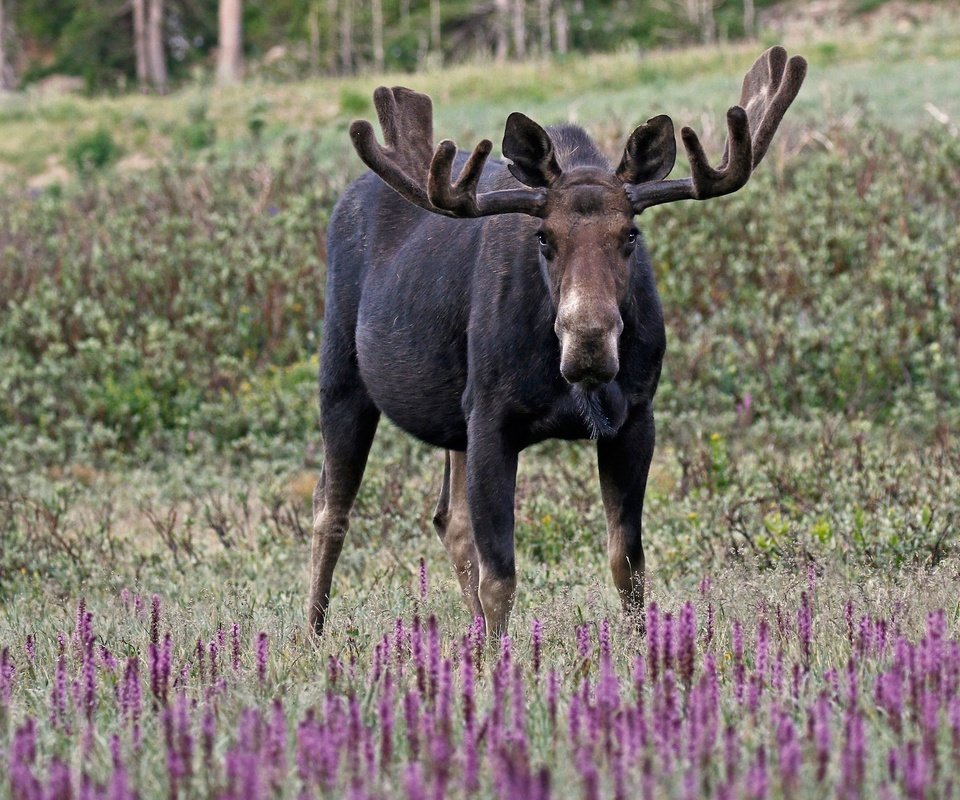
column 632, row 237
column 542, row 238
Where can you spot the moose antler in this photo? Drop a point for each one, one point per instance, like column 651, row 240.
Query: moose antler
column 768, row 90
column 408, row 163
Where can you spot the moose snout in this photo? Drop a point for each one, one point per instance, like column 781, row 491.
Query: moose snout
column 589, row 349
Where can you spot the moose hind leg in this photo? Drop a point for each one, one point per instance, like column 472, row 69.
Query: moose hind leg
column 452, row 521
column 349, row 421
column 624, row 462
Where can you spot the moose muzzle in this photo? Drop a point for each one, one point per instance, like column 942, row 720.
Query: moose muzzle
column 589, row 343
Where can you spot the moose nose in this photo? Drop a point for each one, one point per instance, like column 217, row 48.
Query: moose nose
column 590, row 376
column 590, row 356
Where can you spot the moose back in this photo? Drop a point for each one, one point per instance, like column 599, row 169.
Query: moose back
column 512, row 305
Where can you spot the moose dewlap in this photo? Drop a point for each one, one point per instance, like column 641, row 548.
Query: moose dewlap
column 512, row 305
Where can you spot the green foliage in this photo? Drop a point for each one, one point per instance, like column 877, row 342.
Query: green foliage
column 837, row 295
column 354, row 101
column 152, row 299
column 199, row 132
column 93, row 151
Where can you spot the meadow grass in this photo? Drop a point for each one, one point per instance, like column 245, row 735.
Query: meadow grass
column 158, row 426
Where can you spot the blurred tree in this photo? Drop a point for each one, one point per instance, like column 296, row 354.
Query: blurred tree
column 7, row 78
column 230, row 42
column 346, row 37
column 543, row 22
column 140, row 42
column 561, row 28
column 156, row 53
column 519, row 29
column 435, row 44
column 502, row 11
column 376, row 20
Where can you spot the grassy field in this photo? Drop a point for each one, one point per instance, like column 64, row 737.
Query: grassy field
column 161, row 303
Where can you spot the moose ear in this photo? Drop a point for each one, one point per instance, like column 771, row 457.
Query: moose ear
column 529, row 147
column 650, row 152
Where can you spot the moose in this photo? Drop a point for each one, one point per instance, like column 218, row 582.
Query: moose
column 512, row 305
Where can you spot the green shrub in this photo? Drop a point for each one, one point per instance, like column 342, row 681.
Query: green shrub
column 199, row 132
column 353, row 101
column 827, row 286
column 93, row 151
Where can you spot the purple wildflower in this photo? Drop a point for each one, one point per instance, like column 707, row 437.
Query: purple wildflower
column 7, row 671
column 686, row 649
column 739, row 670
column 411, row 714
column 805, row 628
column 820, row 733
column 59, row 695
column 423, row 580
column 553, row 692
column 789, row 755
column 235, row 646
column 433, row 657
column 653, row 641
column 583, row 642
column 262, row 651
column 537, row 640
column 23, row 756
column 208, row 733
column 155, row 620
column 669, row 644
column 708, row 642
column 757, row 780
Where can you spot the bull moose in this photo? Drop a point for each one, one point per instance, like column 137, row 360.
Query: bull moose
column 513, row 305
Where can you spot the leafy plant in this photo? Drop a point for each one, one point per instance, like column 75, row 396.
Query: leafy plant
column 93, row 151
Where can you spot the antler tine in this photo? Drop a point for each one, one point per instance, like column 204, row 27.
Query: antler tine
column 768, row 89
column 409, row 165
column 461, row 197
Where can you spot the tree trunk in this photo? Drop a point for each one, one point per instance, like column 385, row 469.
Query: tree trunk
column 544, row 24
column 519, row 29
column 435, row 44
column 313, row 35
column 502, row 12
column 749, row 19
column 708, row 22
column 230, row 42
column 156, row 58
column 333, row 15
column 376, row 13
column 346, row 38
column 561, row 29
column 6, row 72
column 140, row 43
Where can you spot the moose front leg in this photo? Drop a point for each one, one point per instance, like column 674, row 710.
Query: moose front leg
column 624, row 462
column 491, row 486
